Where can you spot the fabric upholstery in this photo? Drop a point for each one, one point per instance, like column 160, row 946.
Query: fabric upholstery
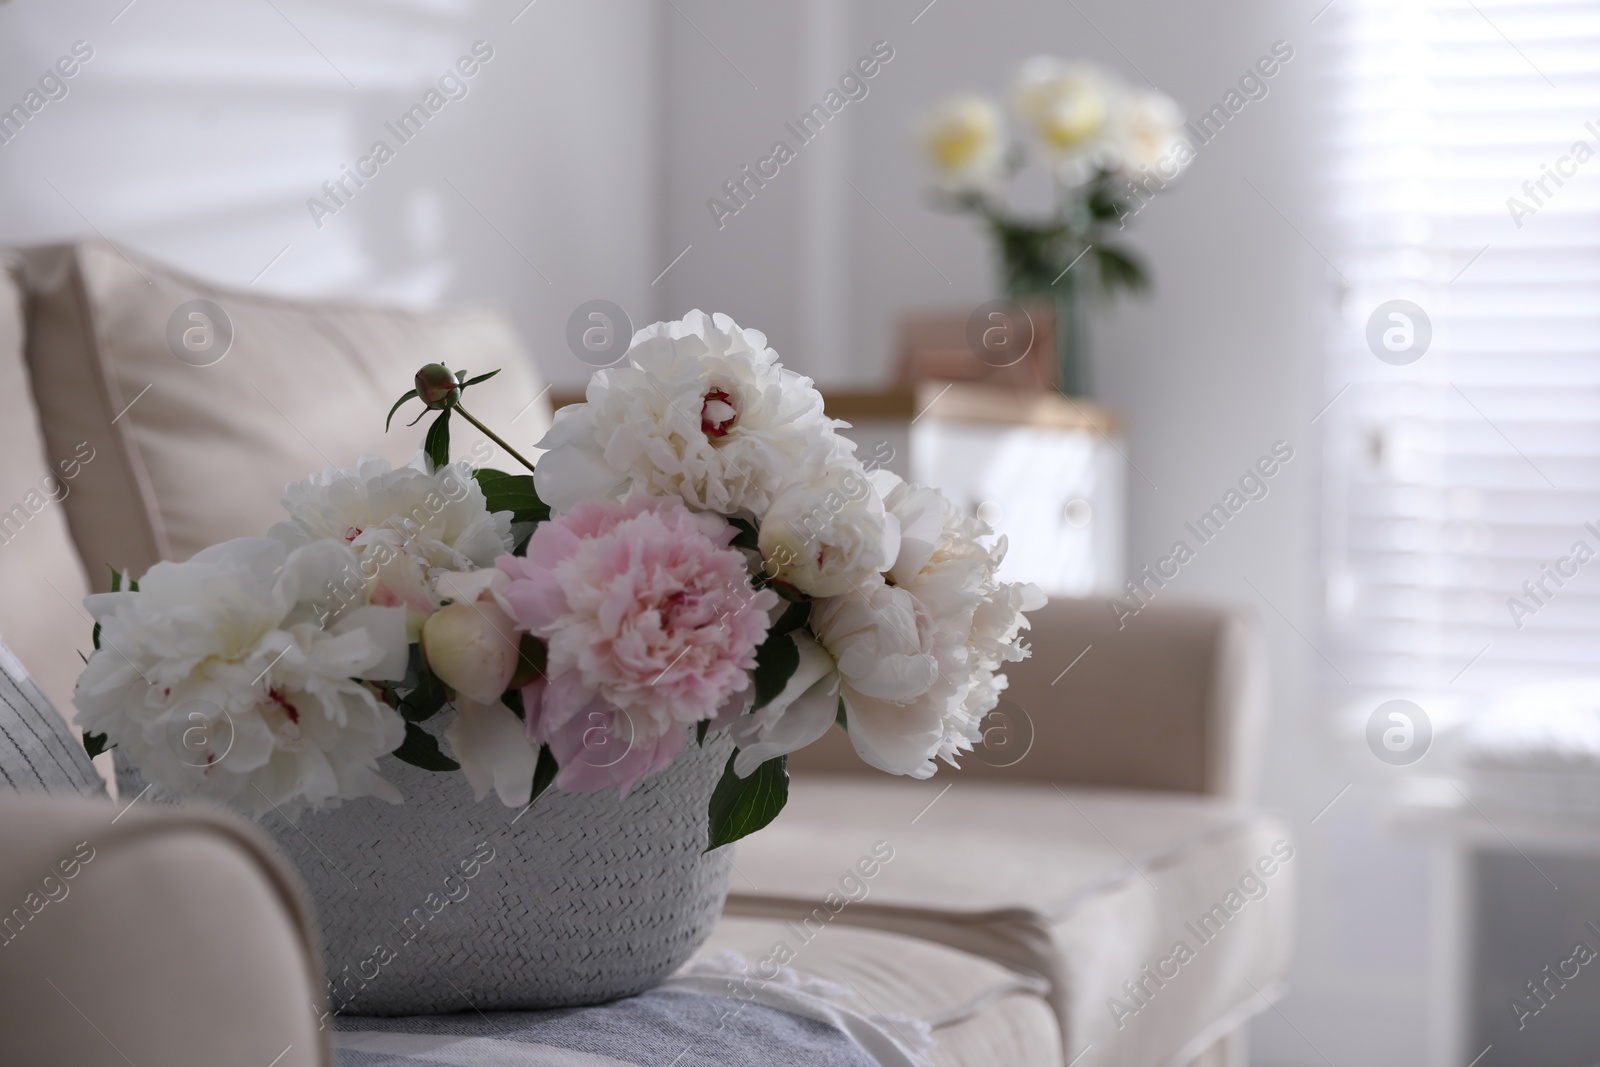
column 38, row 752
column 979, row 1013
column 42, row 584
column 1083, row 888
column 189, row 455
column 1171, row 701
column 151, row 935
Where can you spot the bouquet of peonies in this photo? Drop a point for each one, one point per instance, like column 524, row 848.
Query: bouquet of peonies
column 698, row 550
column 1109, row 149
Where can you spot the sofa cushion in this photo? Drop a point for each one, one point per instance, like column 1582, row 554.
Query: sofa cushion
column 1088, row 708
column 1159, row 921
column 978, row 1012
column 41, row 614
column 202, row 403
column 39, row 753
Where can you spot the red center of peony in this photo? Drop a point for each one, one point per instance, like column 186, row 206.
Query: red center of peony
column 717, row 415
column 288, row 708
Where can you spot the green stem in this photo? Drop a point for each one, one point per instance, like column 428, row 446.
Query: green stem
column 496, row 438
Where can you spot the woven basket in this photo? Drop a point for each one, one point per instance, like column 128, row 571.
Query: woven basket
column 444, row 904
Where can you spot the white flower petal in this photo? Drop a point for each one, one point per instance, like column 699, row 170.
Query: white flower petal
column 386, row 628
column 567, row 475
column 493, row 749
column 797, row 716
column 898, row 738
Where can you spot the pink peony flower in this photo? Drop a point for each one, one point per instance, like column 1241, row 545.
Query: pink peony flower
column 651, row 626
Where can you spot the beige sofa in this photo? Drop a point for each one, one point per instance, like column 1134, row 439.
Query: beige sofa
column 1032, row 904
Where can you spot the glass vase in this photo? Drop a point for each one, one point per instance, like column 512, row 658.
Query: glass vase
column 1070, row 335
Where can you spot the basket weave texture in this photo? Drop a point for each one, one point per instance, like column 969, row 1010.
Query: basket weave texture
column 447, row 904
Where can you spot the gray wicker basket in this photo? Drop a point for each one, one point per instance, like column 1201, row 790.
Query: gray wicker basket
column 444, row 904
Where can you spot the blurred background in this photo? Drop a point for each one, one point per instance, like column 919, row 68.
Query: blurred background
column 1424, row 151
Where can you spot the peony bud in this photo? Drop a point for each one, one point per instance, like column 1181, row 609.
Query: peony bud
column 437, row 387
column 472, row 647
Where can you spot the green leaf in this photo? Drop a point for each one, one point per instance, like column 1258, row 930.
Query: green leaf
column 512, row 698
column 531, row 656
column 514, row 493
column 776, row 661
column 544, row 772
column 411, row 395
column 421, row 749
column 425, row 700
column 437, row 443
column 700, row 729
column 1120, row 270
column 747, row 536
column 741, row 806
column 118, row 580
column 787, row 591
column 94, row 744
column 794, row 616
column 842, row 717
column 462, row 377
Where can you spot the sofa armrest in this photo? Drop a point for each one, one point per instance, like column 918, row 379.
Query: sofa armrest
column 1170, row 700
column 170, row 936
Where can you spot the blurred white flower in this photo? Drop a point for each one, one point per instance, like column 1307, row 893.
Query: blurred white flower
column 235, row 636
column 964, row 139
column 1146, row 134
column 701, row 410
column 1065, row 105
column 827, row 533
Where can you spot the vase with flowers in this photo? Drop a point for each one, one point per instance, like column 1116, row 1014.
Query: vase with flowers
column 1107, row 147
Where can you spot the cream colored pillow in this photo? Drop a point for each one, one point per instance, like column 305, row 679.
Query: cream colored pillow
column 200, row 414
column 42, row 585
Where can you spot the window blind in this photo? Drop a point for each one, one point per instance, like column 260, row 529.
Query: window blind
column 1462, row 433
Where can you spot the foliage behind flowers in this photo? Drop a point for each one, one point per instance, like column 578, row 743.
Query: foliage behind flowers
column 717, row 560
column 1108, row 147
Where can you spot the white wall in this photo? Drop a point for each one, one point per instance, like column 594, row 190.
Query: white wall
column 198, row 132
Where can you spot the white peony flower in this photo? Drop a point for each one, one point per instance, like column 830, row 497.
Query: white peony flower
column 701, row 410
column 1066, row 105
column 828, row 533
column 874, row 652
column 1147, row 131
column 894, row 676
column 944, row 564
column 407, row 526
column 964, row 138
column 227, row 676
